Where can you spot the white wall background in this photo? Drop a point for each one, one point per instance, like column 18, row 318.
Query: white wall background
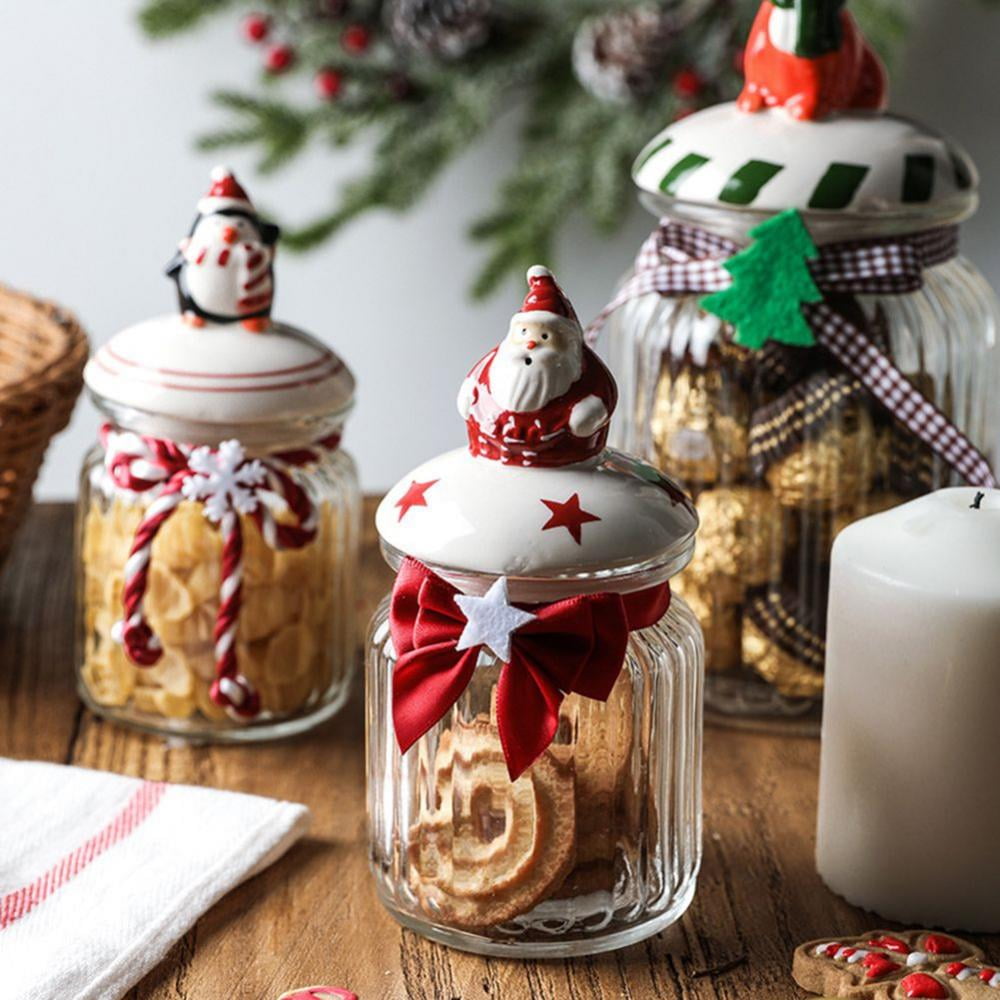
column 98, row 179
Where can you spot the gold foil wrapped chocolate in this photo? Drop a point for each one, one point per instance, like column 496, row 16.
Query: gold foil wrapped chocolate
column 833, row 469
column 788, row 674
column 721, row 623
column 699, row 427
column 740, row 538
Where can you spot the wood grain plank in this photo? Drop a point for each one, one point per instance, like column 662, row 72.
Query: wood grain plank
column 313, row 917
column 39, row 710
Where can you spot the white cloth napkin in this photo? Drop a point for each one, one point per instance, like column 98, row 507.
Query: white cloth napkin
column 101, row 874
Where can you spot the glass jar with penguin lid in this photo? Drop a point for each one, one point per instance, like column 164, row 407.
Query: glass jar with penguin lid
column 218, row 519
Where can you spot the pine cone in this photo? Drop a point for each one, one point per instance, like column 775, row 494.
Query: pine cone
column 443, row 29
column 621, row 57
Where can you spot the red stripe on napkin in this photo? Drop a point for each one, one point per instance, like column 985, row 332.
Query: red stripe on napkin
column 22, row 901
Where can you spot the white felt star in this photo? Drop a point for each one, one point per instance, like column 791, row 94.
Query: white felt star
column 491, row 620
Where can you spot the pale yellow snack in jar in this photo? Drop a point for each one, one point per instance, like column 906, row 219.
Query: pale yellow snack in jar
column 289, row 617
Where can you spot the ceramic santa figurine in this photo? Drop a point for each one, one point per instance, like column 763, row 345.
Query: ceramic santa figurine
column 223, row 267
column 542, row 397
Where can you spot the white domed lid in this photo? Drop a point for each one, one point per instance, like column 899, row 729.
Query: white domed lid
column 853, row 163
column 220, row 373
column 474, row 515
column 222, row 361
column 536, row 495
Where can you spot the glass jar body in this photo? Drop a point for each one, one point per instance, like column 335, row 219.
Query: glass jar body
column 596, row 846
column 759, row 579
column 295, row 637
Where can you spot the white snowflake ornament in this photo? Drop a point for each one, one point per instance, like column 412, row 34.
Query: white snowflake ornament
column 224, row 480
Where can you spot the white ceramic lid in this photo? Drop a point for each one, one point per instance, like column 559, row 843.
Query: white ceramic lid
column 479, row 516
column 221, row 360
column 861, row 164
column 220, row 373
column 566, row 508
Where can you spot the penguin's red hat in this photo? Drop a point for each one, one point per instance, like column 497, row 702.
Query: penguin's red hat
column 224, row 192
column 546, row 301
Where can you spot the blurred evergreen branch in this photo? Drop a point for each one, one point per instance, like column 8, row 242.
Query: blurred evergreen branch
column 576, row 149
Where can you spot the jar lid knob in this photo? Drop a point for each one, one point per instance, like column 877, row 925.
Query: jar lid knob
column 542, row 397
column 223, row 268
column 809, row 57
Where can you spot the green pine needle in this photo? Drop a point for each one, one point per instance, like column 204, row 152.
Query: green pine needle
column 160, row 18
column 575, row 152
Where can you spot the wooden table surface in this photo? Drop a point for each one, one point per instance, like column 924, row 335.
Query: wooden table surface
column 313, row 917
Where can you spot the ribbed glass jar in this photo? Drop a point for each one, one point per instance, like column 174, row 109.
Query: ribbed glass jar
column 759, row 579
column 296, row 639
column 596, row 846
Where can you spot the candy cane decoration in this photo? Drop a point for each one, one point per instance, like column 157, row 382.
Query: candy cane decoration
column 227, row 484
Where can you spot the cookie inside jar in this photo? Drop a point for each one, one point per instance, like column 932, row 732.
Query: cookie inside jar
column 534, row 691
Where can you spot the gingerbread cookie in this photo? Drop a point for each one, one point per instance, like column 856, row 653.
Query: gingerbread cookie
column 908, row 965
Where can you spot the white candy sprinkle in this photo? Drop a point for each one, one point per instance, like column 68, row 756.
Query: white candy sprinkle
column 995, row 981
column 966, row 973
column 858, row 955
column 916, row 958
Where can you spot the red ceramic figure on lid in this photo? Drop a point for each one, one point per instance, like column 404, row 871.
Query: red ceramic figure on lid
column 541, row 397
column 809, row 57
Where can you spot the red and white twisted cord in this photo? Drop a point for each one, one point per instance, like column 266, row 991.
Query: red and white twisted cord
column 141, row 464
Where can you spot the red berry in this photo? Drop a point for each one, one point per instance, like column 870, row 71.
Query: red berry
column 688, row 83
column 279, row 58
column 328, row 83
column 356, row 39
column 256, row 27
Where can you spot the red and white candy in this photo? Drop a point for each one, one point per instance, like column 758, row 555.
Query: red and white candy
column 227, row 484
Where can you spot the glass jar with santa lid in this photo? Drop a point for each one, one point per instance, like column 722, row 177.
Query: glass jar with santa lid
column 534, row 694
column 218, row 520
column 799, row 341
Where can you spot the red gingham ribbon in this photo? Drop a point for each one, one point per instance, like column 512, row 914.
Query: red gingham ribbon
column 170, row 471
column 678, row 259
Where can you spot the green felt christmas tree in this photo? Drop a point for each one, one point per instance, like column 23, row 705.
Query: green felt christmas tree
column 771, row 282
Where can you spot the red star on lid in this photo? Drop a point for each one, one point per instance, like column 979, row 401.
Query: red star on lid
column 568, row 515
column 414, row 497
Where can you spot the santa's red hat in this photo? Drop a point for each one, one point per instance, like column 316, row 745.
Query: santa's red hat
column 224, row 192
column 545, row 301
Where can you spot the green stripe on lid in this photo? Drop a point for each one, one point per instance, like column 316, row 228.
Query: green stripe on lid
column 963, row 176
column 648, row 152
column 918, row 179
column 744, row 186
column 838, row 186
column 680, row 171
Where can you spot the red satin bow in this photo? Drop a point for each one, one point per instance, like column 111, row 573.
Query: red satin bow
column 575, row 645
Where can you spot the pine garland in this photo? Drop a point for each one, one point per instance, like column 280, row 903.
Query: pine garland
column 576, row 149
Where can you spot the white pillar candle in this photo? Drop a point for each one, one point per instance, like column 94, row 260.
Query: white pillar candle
column 909, row 804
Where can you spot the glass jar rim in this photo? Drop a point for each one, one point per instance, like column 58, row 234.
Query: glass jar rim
column 540, row 589
column 736, row 222
column 272, row 434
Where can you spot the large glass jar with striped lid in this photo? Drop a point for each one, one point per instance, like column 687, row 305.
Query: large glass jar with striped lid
column 783, row 446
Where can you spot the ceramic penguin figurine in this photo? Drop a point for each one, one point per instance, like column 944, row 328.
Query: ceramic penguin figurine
column 809, row 57
column 223, row 268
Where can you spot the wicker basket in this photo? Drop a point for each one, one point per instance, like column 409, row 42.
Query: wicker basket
column 42, row 354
